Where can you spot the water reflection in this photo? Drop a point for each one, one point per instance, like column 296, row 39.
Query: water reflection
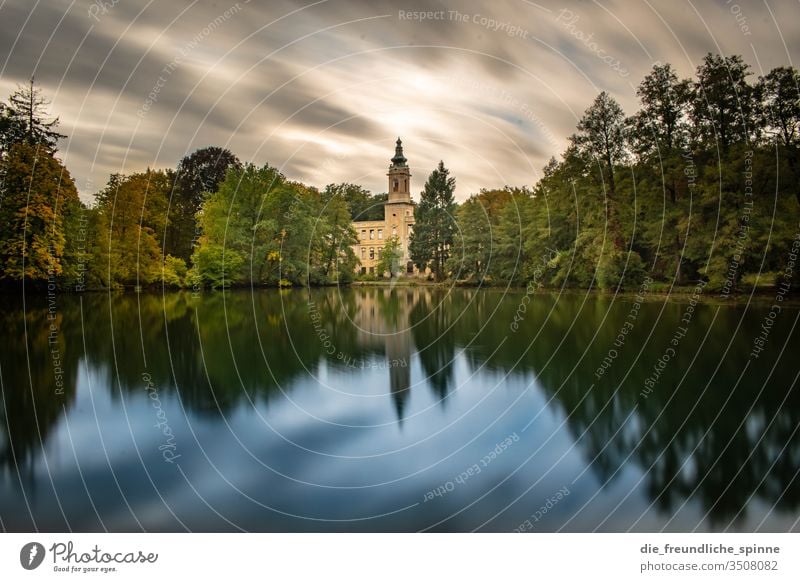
column 339, row 409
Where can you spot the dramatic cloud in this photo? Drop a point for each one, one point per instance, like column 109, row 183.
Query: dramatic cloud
column 322, row 89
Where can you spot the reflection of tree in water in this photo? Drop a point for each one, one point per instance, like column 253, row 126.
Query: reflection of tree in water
column 691, row 445
column 432, row 319
column 32, row 401
column 209, row 349
column 693, row 450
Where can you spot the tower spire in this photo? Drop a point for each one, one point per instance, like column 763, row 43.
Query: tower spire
column 399, row 160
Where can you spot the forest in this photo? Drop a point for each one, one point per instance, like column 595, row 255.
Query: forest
column 702, row 183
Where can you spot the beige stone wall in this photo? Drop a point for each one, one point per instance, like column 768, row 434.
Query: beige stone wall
column 398, row 220
column 373, row 235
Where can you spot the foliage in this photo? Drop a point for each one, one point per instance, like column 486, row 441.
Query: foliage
column 39, row 195
column 197, row 173
column 390, row 258
column 24, row 120
column 435, row 225
column 131, row 222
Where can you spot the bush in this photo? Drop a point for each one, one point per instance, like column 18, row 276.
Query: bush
column 174, row 272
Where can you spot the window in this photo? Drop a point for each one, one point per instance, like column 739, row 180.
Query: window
column 394, row 185
column 380, row 233
column 371, row 234
column 394, row 216
column 372, row 272
column 363, row 233
column 405, row 185
column 363, row 253
column 363, row 270
column 372, row 253
column 394, row 230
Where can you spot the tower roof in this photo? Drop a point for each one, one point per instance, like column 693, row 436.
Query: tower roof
column 399, row 159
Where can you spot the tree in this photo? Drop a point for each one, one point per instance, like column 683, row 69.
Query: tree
column 235, row 226
column 723, row 106
column 390, row 258
column 661, row 125
column 432, row 237
column 659, row 134
column 601, row 137
column 780, row 94
column 198, row 173
column 131, row 218
column 360, row 203
column 39, row 193
column 336, row 236
column 476, row 240
column 25, row 120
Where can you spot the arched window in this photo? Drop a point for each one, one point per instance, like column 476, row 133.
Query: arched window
column 372, row 253
column 395, row 184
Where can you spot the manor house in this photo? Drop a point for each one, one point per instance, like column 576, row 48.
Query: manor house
column 398, row 220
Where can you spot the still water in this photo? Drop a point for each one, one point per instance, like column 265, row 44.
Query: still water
column 397, row 409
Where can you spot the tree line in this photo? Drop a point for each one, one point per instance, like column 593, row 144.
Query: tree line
column 702, row 183
column 212, row 221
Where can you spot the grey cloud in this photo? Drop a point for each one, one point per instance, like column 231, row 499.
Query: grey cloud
column 494, row 106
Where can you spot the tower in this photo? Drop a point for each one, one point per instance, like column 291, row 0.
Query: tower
column 398, row 212
column 398, row 220
column 399, row 177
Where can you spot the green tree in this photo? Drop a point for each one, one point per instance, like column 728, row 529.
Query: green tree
column 780, row 94
column 659, row 134
column 197, row 173
column 661, row 125
column 336, row 236
column 432, row 237
column 390, row 258
column 38, row 194
column 360, row 203
column 236, row 228
column 131, row 220
column 601, row 136
column 476, row 239
column 724, row 105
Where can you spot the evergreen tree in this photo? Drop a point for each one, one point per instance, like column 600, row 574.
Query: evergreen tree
column 25, row 120
column 432, row 237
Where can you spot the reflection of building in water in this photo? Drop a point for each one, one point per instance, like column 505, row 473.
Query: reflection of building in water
column 383, row 325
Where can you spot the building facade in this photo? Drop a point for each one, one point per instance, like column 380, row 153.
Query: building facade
column 398, row 220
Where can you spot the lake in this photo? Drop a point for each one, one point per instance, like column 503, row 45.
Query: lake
column 397, row 409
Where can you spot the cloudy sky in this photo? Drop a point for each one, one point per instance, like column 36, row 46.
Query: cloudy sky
column 322, row 89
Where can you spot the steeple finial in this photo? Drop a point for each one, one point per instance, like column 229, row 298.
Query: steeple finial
column 399, row 159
